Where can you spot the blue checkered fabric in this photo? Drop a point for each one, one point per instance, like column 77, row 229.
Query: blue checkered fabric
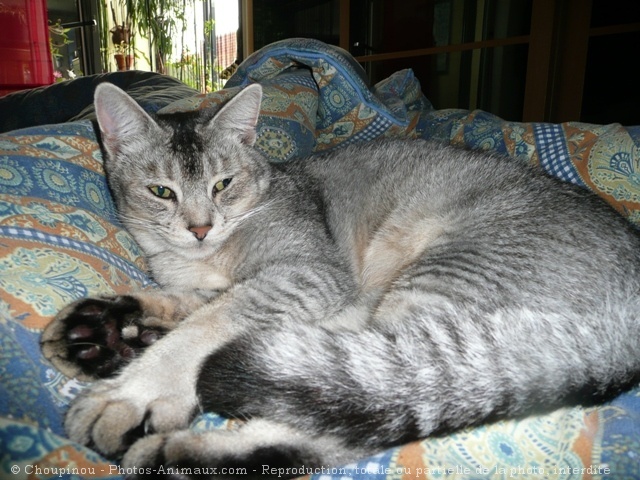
column 554, row 154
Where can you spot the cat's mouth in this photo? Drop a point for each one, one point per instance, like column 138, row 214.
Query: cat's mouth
column 200, row 247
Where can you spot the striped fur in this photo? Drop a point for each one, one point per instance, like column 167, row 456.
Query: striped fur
column 358, row 299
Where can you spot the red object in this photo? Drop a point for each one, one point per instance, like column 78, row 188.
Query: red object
column 25, row 58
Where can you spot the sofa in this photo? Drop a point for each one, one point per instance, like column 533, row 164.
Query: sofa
column 60, row 240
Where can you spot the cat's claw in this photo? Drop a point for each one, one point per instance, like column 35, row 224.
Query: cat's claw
column 95, row 337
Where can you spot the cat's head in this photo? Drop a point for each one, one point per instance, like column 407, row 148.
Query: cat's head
column 182, row 184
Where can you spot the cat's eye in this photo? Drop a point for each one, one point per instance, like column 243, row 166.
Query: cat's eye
column 162, row 192
column 221, row 185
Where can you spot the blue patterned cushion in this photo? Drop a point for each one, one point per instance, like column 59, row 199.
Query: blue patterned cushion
column 60, row 241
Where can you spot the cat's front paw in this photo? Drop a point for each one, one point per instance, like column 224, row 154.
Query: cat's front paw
column 95, row 337
column 113, row 414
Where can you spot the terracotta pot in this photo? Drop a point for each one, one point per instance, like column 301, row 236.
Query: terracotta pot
column 121, row 62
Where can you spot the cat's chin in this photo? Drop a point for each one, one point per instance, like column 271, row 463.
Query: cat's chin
column 198, row 252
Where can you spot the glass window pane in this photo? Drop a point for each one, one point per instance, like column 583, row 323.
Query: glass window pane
column 276, row 20
column 491, row 79
column 614, row 12
column 611, row 92
column 383, row 26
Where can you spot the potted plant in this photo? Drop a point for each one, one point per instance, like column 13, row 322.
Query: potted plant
column 159, row 21
column 121, row 39
column 58, row 39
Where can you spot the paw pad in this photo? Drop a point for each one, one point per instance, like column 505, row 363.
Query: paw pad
column 100, row 335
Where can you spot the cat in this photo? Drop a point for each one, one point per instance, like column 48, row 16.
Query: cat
column 340, row 304
column 228, row 72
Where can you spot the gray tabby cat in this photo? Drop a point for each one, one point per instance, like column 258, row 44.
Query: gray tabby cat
column 342, row 304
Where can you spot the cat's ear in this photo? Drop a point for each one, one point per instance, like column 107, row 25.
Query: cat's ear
column 238, row 118
column 120, row 118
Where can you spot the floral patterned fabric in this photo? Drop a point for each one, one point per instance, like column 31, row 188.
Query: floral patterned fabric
column 603, row 158
column 60, row 240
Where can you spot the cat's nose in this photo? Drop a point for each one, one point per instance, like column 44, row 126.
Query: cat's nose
column 200, row 232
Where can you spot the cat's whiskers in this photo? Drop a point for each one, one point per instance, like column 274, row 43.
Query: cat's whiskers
column 241, row 217
column 134, row 221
